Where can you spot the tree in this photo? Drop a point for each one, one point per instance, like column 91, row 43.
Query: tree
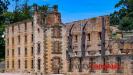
column 126, row 24
column 3, row 8
column 123, row 17
column 114, row 19
column 2, row 42
column 22, row 12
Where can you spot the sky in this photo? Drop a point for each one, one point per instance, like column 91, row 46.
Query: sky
column 73, row 10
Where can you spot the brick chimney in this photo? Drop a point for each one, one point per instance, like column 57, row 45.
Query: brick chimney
column 35, row 6
column 53, row 17
column 36, row 15
column 50, row 17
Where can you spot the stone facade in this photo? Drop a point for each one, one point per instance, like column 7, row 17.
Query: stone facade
column 44, row 46
column 19, row 47
column 117, row 50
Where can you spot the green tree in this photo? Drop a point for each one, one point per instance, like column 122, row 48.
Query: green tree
column 124, row 16
column 126, row 24
column 2, row 42
column 21, row 12
column 114, row 18
column 3, row 8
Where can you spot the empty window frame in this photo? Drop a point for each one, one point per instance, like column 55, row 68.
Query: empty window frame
column 38, row 48
column 39, row 64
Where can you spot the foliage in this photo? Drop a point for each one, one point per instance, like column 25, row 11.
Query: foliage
column 43, row 8
column 22, row 13
column 114, row 19
column 124, row 16
column 126, row 24
column 3, row 8
column 2, row 42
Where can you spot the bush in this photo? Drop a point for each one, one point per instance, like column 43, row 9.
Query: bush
column 126, row 24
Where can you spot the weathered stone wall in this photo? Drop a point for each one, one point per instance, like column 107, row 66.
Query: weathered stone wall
column 19, row 43
column 93, row 30
column 38, row 46
column 114, row 48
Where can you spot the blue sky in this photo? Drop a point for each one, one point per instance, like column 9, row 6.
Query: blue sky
column 72, row 10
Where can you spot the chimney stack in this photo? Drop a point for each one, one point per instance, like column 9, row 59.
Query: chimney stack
column 55, row 8
column 35, row 6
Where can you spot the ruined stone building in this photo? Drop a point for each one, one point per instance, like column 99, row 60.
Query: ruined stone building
column 44, row 45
